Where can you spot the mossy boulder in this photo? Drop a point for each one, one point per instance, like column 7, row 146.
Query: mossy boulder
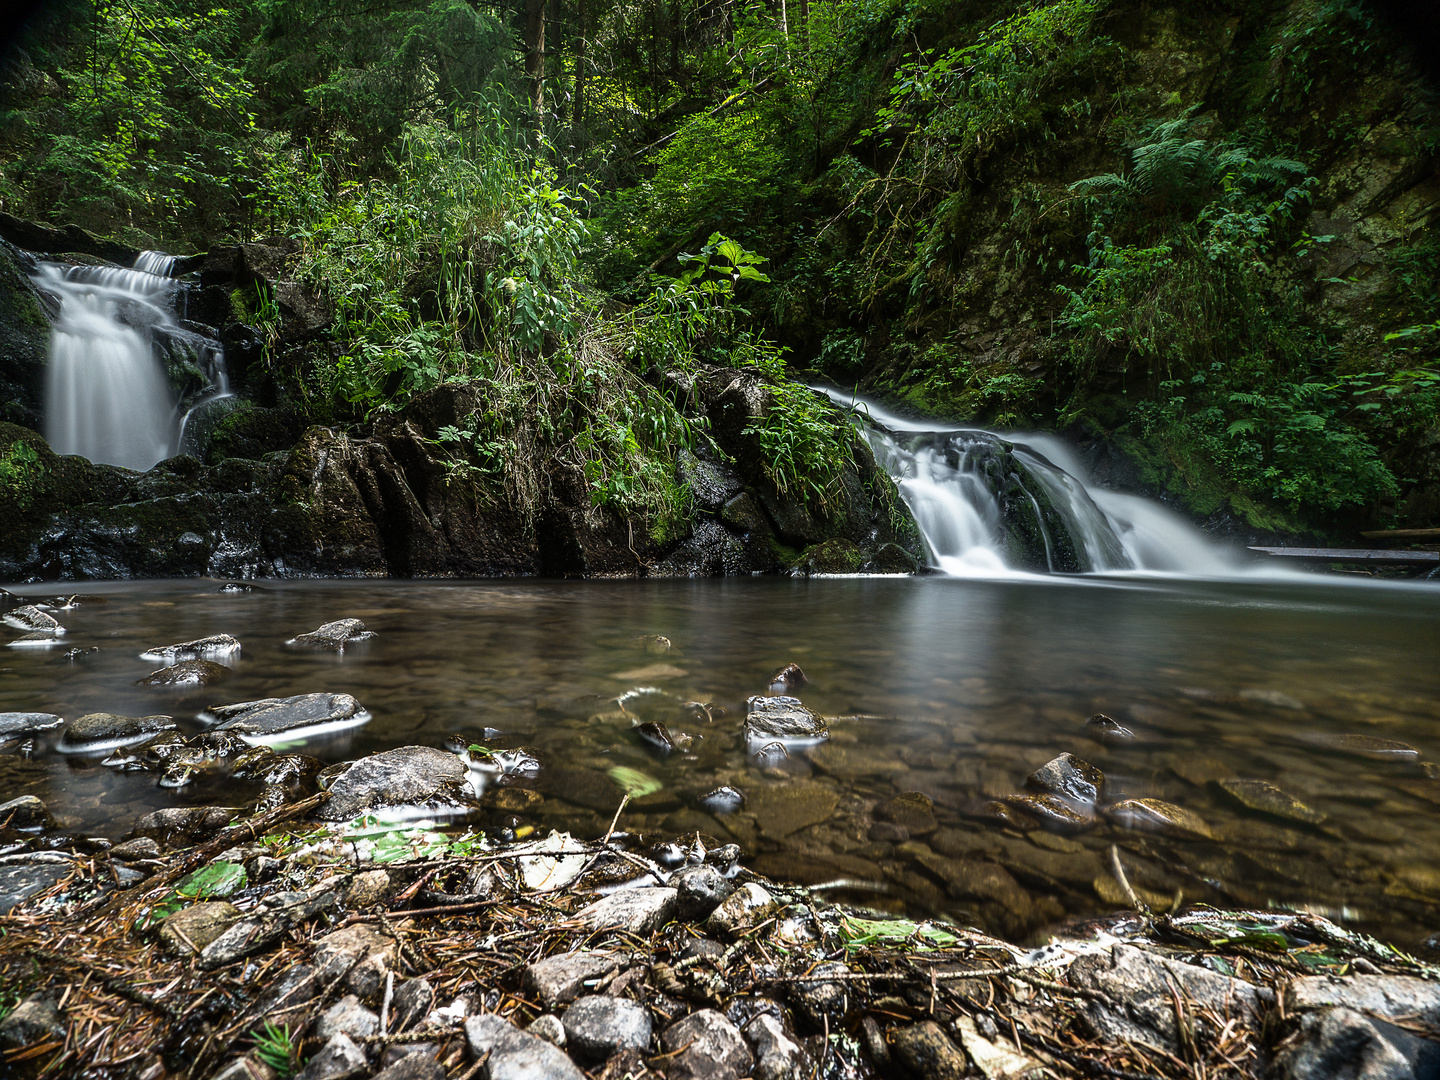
column 24, row 341
column 834, row 556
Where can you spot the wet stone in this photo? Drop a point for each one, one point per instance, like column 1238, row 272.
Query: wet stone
column 333, row 635
column 787, row 678
column 1266, row 798
column 927, row 1051
column 175, row 826
column 636, row 911
column 700, row 890
column 278, row 716
column 26, row 812
column 653, row 643
column 34, row 1019
column 186, row 673
column 912, row 811
column 598, row 1026
column 548, row 1027
column 560, row 979
column 1069, row 777
column 512, row 800
column 782, row 719
column 777, row 1056
column 1393, row 997
column 30, row 618
column 34, row 640
column 1341, row 1044
column 407, row 776
column 187, row 932
column 1372, row 747
column 1155, row 815
column 747, row 906
column 104, row 731
column 142, row 847
column 788, row 807
column 216, row 646
column 271, row 769
column 20, row 881
column 14, row 725
column 721, row 801
column 822, row 1002
column 1054, row 812
column 656, row 736
column 516, row 1054
column 1107, row 729
column 706, row 1046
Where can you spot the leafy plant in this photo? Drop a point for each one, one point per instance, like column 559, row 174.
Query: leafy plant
column 275, row 1047
column 19, row 469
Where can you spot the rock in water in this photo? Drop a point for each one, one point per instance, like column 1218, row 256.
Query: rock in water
column 787, row 678
column 26, row 812
column 275, row 719
column 410, row 776
column 31, row 618
column 1156, row 815
column 1106, row 728
column 334, row 635
column 216, row 646
column 95, row 732
column 15, row 725
column 782, row 719
column 1268, row 799
column 1070, row 778
column 722, row 801
column 1053, row 812
column 186, row 673
column 1370, row 746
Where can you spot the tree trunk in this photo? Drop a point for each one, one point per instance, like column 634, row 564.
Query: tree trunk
column 578, row 113
column 535, row 61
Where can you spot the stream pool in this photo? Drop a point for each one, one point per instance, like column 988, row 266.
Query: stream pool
column 953, row 688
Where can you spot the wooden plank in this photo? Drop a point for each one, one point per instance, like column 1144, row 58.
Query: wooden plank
column 1402, row 534
column 1370, row 555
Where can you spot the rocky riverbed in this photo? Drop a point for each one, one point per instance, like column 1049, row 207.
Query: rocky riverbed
column 282, row 944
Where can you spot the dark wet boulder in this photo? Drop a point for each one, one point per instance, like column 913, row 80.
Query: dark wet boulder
column 913, row 811
column 216, row 646
column 782, row 719
column 1107, row 729
column 16, row 725
column 410, row 776
column 722, row 801
column 303, row 714
column 187, row 673
column 26, row 812
column 1071, row 778
column 176, row 826
column 334, row 635
column 94, row 732
column 787, row 678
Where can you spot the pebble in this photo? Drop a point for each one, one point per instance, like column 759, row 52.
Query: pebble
column 187, row 932
column 912, row 811
column 722, row 801
column 746, row 906
column 699, row 891
column 787, row 678
column 598, row 1026
column 637, row 911
column 406, row 776
column 33, row 1019
column 706, row 1046
column 777, row 1056
column 348, row 1017
column 557, row 980
column 1106, row 728
column 414, row 998
column 516, row 1054
column 548, row 1027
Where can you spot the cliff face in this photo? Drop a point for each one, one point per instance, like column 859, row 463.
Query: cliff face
column 1012, row 265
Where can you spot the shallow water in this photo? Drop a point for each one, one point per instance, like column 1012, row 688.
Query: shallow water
column 954, row 688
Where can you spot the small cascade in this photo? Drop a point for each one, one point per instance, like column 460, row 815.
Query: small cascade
column 117, row 352
column 992, row 505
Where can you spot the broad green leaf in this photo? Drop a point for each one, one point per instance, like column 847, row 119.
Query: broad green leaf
column 634, row 782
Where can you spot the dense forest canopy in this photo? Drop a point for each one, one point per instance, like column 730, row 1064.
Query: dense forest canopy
column 1201, row 234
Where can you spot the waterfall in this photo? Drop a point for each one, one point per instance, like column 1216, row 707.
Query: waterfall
column 109, row 396
column 991, row 505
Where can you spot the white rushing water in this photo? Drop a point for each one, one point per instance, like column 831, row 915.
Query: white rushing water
column 946, row 477
column 107, row 394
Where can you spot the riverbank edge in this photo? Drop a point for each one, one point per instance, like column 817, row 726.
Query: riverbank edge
column 285, row 945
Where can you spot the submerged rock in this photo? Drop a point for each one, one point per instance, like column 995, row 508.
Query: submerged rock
column 15, row 725
column 186, row 673
column 410, row 776
column 104, row 731
column 26, row 812
column 1106, row 729
column 782, row 719
column 1053, row 812
column 31, row 618
column 722, row 801
column 304, row 714
column 1069, row 777
column 912, row 811
column 1155, row 815
column 334, row 635
column 205, row 648
column 653, row 643
column 1369, row 746
column 1268, row 799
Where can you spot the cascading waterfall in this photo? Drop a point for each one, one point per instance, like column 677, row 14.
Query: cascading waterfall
column 108, row 395
column 991, row 505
